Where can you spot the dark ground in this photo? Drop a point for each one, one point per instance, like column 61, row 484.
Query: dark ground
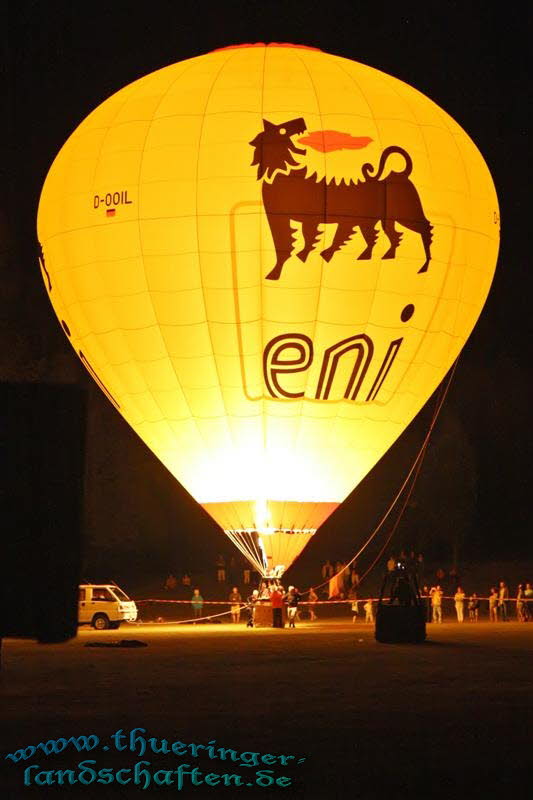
column 450, row 717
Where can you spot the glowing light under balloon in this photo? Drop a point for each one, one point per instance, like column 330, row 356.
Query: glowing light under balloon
column 268, row 257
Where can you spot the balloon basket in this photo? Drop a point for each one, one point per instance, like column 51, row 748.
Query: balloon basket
column 401, row 619
column 263, row 615
column 400, row 625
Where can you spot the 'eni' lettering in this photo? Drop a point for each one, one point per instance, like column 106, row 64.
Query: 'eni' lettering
column 293, row 352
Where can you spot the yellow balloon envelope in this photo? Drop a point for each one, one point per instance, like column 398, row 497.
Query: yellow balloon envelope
column 268, row 257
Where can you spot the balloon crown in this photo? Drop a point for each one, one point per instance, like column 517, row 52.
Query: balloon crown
column 266, row 44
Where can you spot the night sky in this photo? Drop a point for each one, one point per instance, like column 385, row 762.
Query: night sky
column 62, row 59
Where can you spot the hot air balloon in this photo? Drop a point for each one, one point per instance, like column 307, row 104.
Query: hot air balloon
column 268, row 257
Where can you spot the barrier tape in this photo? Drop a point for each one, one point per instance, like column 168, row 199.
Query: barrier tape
column 322, row 602
column 243, row 606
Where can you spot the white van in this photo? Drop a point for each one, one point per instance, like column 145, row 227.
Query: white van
column 104, row 605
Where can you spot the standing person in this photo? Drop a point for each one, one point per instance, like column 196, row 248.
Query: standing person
column 493, row 605
column 436, row 604
column 313, row 600
column 264, row 591
column 459, row 598
column 293, row 598
column 197, row 603
column 171, row 583
column 453, row 576
column 420, row 567
column 327, row 570
column 235, row 600
column 369, row 611
column 340, row 574
column 503, row 596
column 352, row 595
column 276, row 599
column 246, row 575
column 252, row 602
column 221, row 568
column 334, row 589
column 473, row 608
column 520, row 604
column 528, row 597
column 391, row 564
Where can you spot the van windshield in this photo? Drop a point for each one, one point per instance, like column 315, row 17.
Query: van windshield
column 120, row 595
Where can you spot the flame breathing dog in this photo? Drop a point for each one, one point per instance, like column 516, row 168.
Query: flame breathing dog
column 289, row 195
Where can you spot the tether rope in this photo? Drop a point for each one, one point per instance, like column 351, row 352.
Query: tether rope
column 415, row 468
column 420, row 459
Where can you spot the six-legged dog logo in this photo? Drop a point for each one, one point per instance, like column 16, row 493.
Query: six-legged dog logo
column 289, row 195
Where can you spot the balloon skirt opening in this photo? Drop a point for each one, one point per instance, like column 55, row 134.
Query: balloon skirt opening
column 272, row 552
column 271, row 534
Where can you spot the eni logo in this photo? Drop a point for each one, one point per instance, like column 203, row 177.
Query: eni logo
column 384, row 197
column 290, row 195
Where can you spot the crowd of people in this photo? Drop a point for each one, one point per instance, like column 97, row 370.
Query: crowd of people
column 274, row 596
column 271, row 593
column 232, row 569
column 171, row 582
column 498, row 602
column 341, row 578
column 227, row 570
column 340, row 582
column 447, row 585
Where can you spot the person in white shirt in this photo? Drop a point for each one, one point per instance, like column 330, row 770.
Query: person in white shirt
column 459, row 598
column 436, row 603
column 369, row 611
